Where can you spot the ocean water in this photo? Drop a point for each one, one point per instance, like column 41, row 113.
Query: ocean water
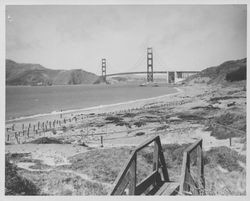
column 23, row 101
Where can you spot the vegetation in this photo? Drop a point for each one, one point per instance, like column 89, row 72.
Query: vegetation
column 237, row 75
column 35, row 74
column 46, row 140
column 225, row 157
column 16, row 184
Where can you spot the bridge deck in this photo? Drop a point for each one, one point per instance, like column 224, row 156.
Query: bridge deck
column 145, row 72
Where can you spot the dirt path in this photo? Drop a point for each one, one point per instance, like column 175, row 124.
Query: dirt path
column 85, row 177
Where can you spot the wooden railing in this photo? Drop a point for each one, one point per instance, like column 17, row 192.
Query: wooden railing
column 188, row 184
column 126, row 181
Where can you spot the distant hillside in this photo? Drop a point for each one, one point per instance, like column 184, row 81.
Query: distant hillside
column 228, row 71
column 35, row 74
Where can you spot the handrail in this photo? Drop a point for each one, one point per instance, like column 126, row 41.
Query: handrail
column 127, row 175
column 186, row 179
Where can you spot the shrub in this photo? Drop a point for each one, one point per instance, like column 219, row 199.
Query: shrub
column 15, row 184
column 225, row 157
column 237, row 75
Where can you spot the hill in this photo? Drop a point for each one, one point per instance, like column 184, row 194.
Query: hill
column 226, row 72
column 35, row 74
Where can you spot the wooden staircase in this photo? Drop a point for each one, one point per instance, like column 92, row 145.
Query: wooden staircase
column 158, row 182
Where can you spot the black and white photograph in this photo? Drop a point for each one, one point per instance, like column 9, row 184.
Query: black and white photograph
column 124, row 99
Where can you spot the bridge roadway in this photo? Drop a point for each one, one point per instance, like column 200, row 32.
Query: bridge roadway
column 145, row 72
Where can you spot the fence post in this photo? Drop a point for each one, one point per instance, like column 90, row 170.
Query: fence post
column 101, row 141
column 230, row 141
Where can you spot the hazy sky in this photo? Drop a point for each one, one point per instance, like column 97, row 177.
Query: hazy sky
column 182, row 37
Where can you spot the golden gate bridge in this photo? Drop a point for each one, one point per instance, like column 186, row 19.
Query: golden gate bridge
column 171, row 76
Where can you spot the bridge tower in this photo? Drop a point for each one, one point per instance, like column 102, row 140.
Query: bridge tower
column 150, row 71
column 104, row 69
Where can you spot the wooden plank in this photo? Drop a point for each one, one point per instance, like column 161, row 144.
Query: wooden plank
column 193, row 146
column 122, row 185
column 199, row 161
column 168, row 188
column 183, row 173
column 191, row 183
column 147, row 142
column 163, row 163
column 148, row 181
column 156, row 161
column 132, row 183
column 122, row 173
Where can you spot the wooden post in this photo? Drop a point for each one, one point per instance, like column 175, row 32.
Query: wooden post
column 132, row 183
column 13, row 127
column 16, row 137
column 28, row 132
column 8, row 138
column 185, row 170
column 200, row 165
column 22, row 126
column 101, row 141
column 38, row 125
column 155, row 160
column 230, row 141
column 61, row 114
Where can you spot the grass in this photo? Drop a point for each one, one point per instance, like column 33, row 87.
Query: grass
column 60, row 183
column 104, row 165
column 16, row 184
column 225, row 183
column 225, row 157
column 234, row 120
column 215, row 99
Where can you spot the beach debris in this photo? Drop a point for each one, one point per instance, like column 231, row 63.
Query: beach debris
column 140, row 133
column 172, row 119
column 231, row 104
column 46, row 140
column 139, row 123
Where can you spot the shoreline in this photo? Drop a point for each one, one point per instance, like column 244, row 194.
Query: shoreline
column 96, row 109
